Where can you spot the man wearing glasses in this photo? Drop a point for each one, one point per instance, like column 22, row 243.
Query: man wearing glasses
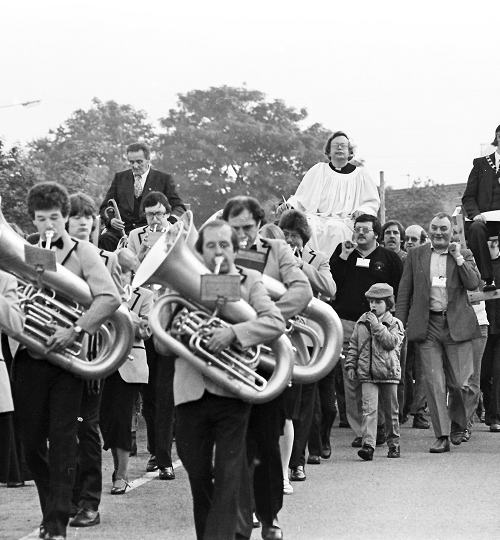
column 128, row 190
column 334, row 194
column 415, row 235
column 156, row 209
column 356, row 265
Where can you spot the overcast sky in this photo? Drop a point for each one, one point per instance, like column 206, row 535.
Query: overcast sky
column 417, row 88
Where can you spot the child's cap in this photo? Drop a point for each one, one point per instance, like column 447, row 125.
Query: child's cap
column 379, row 290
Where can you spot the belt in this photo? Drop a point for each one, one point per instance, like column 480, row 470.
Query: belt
column 441, row 313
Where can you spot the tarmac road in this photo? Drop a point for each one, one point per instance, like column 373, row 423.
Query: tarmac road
column 422, row 496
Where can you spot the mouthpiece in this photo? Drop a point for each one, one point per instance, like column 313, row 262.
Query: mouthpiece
column 218, row 264
column 243, row 243
column 48, row 237
column 154, row 227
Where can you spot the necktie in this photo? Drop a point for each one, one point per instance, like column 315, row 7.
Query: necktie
column 137, row 187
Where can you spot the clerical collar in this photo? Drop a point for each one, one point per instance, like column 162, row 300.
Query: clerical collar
column 346, row 169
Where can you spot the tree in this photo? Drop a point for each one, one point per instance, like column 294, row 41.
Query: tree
column 229, row 141
column 416, row 205
column 86, row 151
column 15, row 181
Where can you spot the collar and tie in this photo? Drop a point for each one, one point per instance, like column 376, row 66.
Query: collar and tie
column 137, row 187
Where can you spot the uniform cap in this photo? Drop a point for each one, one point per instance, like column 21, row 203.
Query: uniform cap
column 379, row 290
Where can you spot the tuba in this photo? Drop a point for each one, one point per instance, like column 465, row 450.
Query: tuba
column 324, row 360
column 59, row 302
column 171, row 263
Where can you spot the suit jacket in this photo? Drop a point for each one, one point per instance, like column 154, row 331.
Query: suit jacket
column 135, row 369
column 317, row 269
column 412, row 306
column 190, row 384
column 122, row 191
column 478, row 195
column 11, row 322
column 137, row 237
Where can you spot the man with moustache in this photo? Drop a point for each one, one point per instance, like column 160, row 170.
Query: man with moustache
column 393, row 235
column 128, row 189
column 246, row 216
column 209, row 416
column 356, row 265
column 334, row 194
column 433, row 300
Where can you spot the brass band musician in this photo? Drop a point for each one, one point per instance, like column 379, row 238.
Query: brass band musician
column 208, row 415
column 46, row 397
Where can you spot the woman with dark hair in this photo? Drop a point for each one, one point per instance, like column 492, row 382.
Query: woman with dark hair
column 333, row 194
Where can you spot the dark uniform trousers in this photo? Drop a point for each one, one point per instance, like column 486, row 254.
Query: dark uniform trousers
column 265, row 427
column 158, row 405
column 47, row 404
column 88, row 482
column 325, row 413
column 202, row 423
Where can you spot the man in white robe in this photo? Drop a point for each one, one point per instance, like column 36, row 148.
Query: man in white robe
column 333, row 194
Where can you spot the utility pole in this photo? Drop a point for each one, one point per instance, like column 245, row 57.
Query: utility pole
column 382, row 198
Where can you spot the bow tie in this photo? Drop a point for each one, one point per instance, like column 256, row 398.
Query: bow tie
column 57, row 243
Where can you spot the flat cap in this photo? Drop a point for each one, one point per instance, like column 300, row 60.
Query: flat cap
column 379, row 290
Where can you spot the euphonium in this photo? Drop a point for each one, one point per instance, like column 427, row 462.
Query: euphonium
column 172, row 264
column 322, row 362
column 60, row 303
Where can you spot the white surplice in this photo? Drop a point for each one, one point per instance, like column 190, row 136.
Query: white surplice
column 328, row 198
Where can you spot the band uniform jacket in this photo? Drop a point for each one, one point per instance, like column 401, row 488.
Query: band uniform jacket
column 122, row 191
column 478, row 194
column 412, row 306
column 135, row 369
column 11, row 323
column 139, row 235
column 190, row 384
column 281, row 264
column 317, row 269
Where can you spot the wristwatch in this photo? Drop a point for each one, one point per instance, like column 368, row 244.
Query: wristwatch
column 78, row 329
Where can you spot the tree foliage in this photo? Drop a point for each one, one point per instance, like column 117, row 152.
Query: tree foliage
column 89, row 148
column 416, row 205
column 229, row 141
column 15, row 181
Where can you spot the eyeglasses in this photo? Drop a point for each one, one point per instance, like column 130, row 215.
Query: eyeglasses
column 411, row 238
column 340, row 145
column 157, row 215
column 363, row 230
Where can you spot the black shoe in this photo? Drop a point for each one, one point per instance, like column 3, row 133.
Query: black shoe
column 394, row 452
column 357, row 443
column 166, row 473
column 466, row 436
column 456, row 434
column 419, row 422
column 297, row 474
column 85, row 518
column 344, row 423
column 41, row 530
column 15, row 484
column 121, row 488
column 152, row 465
column 313, row 460
column 442, row 444
column 490, row 285
column 326, row 452
column 366, row 453
column 272, row 533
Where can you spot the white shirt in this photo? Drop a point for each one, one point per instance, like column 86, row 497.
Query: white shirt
column 497, row 158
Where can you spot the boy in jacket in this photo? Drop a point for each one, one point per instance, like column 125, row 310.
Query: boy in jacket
column 374, row 354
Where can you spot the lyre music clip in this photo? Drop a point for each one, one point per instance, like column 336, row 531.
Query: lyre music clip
column 222, row 286
column 42, row 260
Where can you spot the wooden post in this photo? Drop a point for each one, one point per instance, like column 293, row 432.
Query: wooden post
column 382, row 198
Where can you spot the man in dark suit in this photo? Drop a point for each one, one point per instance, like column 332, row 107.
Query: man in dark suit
column 128, row 188
column 432, row 299
column 482, row 194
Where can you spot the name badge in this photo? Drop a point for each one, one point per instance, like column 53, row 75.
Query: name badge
column 439, row 282
column 363, row 263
